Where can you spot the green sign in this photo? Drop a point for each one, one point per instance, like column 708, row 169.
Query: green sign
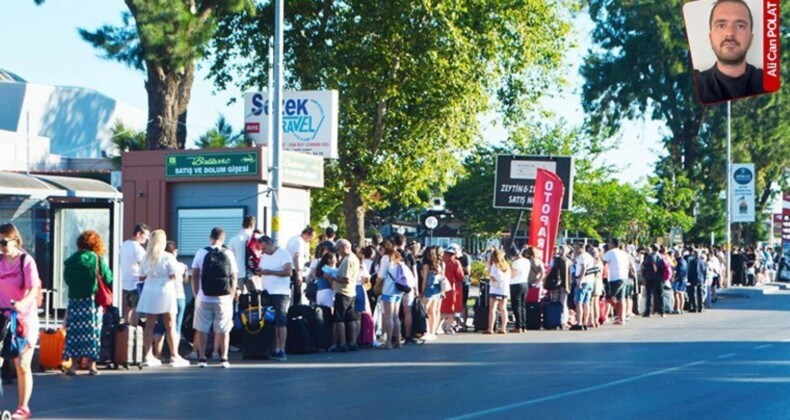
column 210, row 165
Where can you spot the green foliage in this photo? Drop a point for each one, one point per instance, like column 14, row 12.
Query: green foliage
column 413, row 77
column 125, row 140
column 478, row 271
column 221, row 136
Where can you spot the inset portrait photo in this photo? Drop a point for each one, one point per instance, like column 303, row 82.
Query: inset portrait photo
column 734, row 47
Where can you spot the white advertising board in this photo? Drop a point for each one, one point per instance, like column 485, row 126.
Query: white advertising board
column 309, row 120
column 742, row 193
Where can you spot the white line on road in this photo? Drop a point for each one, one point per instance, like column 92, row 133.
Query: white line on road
column 764, row 346
column 509, row 407
column 724, row 356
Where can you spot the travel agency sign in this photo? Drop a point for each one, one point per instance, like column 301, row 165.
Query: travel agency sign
column 309, row 120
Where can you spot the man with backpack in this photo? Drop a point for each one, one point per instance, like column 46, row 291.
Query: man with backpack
column 238, row 245
column 652, row 277
column 214, row 279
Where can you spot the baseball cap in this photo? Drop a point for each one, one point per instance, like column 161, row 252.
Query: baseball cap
column 456, row 248
column 450, row 250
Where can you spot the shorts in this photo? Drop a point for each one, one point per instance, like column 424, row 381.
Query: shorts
column 616, row 290
column 280, row 304
column 497, row 296
column 408, row 299
column 344, row 309
column 359, row 300
column 325, row 297
column 598, row 288
column 433, row 292
column 218, row 315
column 679, row 286
column 130, row 298
column 583, row 293
column 629, row 288
column 391, row 298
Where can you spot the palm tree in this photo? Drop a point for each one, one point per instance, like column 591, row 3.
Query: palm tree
column 221, row 136
column 125, row 140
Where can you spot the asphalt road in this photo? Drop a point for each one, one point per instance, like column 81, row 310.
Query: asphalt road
column 728, row 363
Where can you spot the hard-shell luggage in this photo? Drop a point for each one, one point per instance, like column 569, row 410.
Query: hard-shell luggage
column 51, row 340
column 128, row 346
column 306, row 312
column 552, row 312
column 667, row 299
column 533, row 295
column 480, row 319
column 534, row 316
column 366, row 334
column 110, row 320
column 324, row 328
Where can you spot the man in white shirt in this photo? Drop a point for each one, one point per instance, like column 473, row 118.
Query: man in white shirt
column 214, row 268
column 619, row 263
column 276, row 267
column 238, row 244
column 299, row 248
column 131, row 254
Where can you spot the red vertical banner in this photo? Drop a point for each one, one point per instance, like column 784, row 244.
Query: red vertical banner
column 771, row 46
column 785, row 221
column 546, row 209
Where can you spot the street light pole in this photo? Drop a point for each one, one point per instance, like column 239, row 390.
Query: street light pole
column 276, row 109
column 729, row 194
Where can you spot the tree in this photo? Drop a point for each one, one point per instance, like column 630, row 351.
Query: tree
column 221, row 136
column 125, row 140
column 413, row 80
column 165, row 39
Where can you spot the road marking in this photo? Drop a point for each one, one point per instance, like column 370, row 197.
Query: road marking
column 725, row 356
column 764, row 346
column 509, row 407
column 484, row 351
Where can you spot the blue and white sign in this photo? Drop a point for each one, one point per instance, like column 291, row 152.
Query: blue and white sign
column 309, row 120
column 742, row 193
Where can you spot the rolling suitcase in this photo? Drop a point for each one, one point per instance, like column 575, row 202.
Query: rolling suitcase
column 300, row 337
column 534, row 316
column 419, row 318
column 366, row 334
column 480, row 319
column 324, row 328
column 110, row 321
column 552, row 312
column 128, row 350
column 51, row 340
column 258, row 344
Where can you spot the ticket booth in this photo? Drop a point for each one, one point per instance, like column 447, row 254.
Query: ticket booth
column 188, row 192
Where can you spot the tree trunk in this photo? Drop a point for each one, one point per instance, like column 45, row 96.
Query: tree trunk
column 354, row 211
column 168, row 97
column 184, row 94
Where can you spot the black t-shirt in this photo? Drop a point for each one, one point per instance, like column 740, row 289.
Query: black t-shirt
column 408, row 258
column 714, row 86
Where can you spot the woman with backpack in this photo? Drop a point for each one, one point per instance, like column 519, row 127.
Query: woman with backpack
column 433, row 274
column 20, row 287
column 82, row 272
column 159, row 297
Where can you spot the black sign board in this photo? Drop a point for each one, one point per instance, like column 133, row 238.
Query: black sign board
column 514, row 181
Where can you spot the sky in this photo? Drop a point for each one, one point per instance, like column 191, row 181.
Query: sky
column 41, row 44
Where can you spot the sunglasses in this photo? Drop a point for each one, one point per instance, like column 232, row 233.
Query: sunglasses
column 4, row 242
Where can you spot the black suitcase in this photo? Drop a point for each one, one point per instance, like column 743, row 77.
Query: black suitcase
column 304, row 311
column 300, row 337
column 534, row 316
column 258, row 344
column 324, row 327
column 419, row 318
column 110, row 321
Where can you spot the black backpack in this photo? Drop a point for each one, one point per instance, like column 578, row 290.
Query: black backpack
column 554, row 278
column 216, row 276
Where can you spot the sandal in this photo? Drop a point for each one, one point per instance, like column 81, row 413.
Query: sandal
column 488, row 332
column 21, row 413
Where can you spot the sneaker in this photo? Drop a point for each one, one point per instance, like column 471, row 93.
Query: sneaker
column 353, row 348
column 429, row 337
column 279, row 356
column 202, row 363
column 21, row 413
column 224, row 364
column 153, row 362
column 192, row 356
column 410, row 340
column 179, row 363
column 376, row 344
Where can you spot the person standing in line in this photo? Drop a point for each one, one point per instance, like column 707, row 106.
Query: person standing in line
column 81, row 273
column 466, row 266
column 619, row 263
column 19, row 288
column 238, row 245
column 158, row 270
column 714, row 267
column 518, row 290
column 651, row 275
column 697, row 273
column 391, row 297
column 452, row 303
column 597, row 290
column 275, row 269
column 131, row 254
column 214, row 281
column 499, row 272
column 345, row 287
column 399, row 240
column 433, row 273
column 181, row 301
column 299, row 247
column 681, row 283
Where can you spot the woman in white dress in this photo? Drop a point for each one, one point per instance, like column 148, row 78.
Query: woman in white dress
column 158, row 270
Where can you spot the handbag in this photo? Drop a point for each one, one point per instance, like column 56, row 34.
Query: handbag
column 103, row 292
